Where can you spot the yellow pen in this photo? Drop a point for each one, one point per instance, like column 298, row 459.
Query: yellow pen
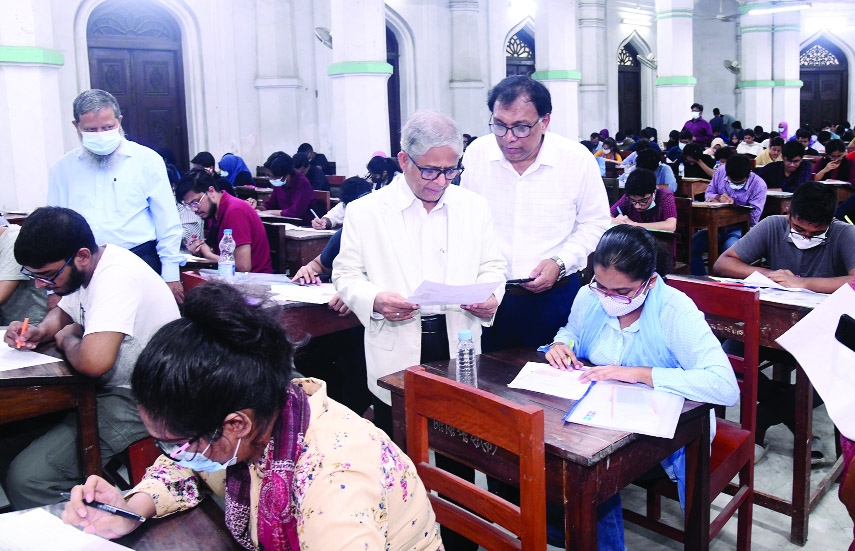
column 846, row 216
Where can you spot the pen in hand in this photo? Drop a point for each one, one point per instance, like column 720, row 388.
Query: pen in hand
column 315, row 214
column 108, row 508
column 20, row 340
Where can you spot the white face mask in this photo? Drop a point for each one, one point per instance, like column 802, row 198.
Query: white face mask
column 781, row 129
column 681, row 145
column 277, row 183
column 652, row 203
column 804, row 243
column 696, row 114
column 224, row 173
column 735, row 186
column 616, row 308
column 606, row 151
column 102, row 143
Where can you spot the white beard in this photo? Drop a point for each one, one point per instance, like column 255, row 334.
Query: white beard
column 101, row 162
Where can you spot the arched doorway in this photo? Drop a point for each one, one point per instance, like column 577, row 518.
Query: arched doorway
column 135, row 54
column 394, row 92
column 825, row 76
column 629, row 89
column 520, row 54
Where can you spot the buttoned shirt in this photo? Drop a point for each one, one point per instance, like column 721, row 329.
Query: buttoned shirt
column 557, row 207
column 127, row 203
column 753, row 194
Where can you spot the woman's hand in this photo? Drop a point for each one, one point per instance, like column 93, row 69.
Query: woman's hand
column 618, row 373
column 95, row 521
column 561, row 356
column 306, row 275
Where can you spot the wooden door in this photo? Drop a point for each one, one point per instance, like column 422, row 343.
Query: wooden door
column 393, row 86
column 824, row 92
column 629, row 89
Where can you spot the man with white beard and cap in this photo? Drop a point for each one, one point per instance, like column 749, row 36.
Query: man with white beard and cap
column 120, row 187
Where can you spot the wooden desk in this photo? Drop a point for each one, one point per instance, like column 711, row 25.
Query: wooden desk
column 712, row 216
column 48, row 388
column 776, row 319
column 843, row 190
column 777, row 202
column 263, row 194
column 584, row 465
column 15, row 217
column 292, row 249
column 692, row 187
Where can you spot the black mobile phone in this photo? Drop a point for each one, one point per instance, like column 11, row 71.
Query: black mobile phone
column 846, row 331
column 519, row 281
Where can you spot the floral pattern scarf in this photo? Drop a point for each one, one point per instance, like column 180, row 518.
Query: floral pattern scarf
column 277, row 526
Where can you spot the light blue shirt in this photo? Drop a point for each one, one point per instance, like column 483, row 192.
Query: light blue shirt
column 128, row 203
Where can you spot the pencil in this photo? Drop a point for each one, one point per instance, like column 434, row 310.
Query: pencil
column 109, row 509
column 19, row 341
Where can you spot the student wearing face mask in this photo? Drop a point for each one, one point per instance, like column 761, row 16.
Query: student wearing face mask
column 635, row 328
column 674, row 153
column 380, row 171
column 644, row 205
column 610, row 157
column 292, row 192
column 736, row 185
column 698, row 126
column 297, row 469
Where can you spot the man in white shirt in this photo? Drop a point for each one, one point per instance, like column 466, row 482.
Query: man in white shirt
column 748, row 146
column 111, row 306
column 120, row 187
column 550, row 207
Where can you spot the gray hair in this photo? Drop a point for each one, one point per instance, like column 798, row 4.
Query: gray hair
column 95, row 100
column 426, row 129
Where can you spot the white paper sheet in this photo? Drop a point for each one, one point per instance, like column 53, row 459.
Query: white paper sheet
column 807, row 299
column 429, row 293
column 38, row 530
column 759, row 280
column 313, row 294
column 829, row 364
column 630, row 408
column 13, row 358
column 191, row 258
column 543, row 378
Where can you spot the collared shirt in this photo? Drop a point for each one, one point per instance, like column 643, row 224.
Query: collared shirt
column 126, row 204
column 557, row 207
column 247, row 229
column 700, row 129
column 753, row 194
column 751, row 149
column 427, row 233
column 774, row 176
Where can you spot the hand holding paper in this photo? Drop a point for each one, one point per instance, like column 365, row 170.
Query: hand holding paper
column 429, row 293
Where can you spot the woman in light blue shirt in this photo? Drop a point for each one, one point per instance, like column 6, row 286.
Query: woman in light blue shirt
column 635, row 328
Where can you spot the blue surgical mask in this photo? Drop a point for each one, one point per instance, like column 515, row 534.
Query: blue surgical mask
column 197, row 461
column 102, row 143
column 277, row 183
column 652, row 203
column 735, row 186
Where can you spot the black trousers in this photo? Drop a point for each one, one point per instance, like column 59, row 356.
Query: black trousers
column 148, row 252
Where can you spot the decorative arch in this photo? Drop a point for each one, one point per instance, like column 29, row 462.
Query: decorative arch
column 646, row 77
column 191, row 53
column 824, row 69
column 406, row 61
column 519, row 48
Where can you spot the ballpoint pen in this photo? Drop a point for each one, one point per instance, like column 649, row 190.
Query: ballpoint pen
column 108, row 509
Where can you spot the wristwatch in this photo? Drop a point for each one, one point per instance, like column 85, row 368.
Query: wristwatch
column 562, row 270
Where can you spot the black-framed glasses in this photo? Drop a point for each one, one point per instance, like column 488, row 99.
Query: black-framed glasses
column 520, row 130
column 640, row 202
column 176, row 451
column 821, row 238
column 619, row 298
column 48, row 280
column 430, row 173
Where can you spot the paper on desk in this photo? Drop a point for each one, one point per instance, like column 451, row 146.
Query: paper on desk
column 37, row 530
column 829, row 364
column 429, row 293
column 807, row 299
column 543, row 378
column 191, row 258
column 631, row 408
column 313, row 294
column 13, row 358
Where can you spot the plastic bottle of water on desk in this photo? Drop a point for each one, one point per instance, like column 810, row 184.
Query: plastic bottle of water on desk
column 682, row 171
column 226, row 266
column 467, row 371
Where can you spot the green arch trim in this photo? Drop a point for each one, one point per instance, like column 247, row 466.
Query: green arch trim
column 359, row 67
column 756, row 83
column 671, row 14
column 563, row 74
column 788, row 83
column 676, row 81
column 30, row 54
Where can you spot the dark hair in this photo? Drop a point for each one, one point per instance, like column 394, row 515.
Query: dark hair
column 641, row 145
column 204, row 159
column 271, row 158
column 738, row 167
column 620, row 136
column 686, row 135
column 305, row 148
column 647, row 159
column 646, row 133
column 282, row 165
column 631, row 250
column 835, row 145
column 521, row 86
column 825, row 123
column 698, row 106
column 51, row 234
column 758, row 130
column 793, row 149
column 301, row 160
column 723, row 153
column 377, row 165
column 823, row 136
column 228, row 353
column 693, row 150
column 353, row 188
column 715, row 111
column 197, row 180
column 736, row 125
column 813, row 202
column 611, row 143
column 803, row 133
column 748, row 132
column 674, row 135
column 776, row 141
column 640, row 182
column 595, row 135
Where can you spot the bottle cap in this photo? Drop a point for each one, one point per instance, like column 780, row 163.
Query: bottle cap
column 464, row 335
column 227, row 232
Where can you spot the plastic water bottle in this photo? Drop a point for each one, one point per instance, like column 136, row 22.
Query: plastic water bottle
column 467, row 371
column 682, row 171
column 226, row 266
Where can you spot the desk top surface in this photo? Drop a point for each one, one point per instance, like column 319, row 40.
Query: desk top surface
column 577, row 443
column 56, row 372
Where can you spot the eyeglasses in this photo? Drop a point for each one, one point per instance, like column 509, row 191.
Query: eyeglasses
column 619, row 298
column 430, row 174
column 174, row 451
column 194, row 204
column 520, row 130
column 48, row 280
column 640, row 202
column 821, row 238
column 794, row 162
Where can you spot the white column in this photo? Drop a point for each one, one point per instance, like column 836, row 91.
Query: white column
column 556, row 64
column 30, row 117
column 593, row 100
column 468, row 90
column 359, row 73
column 675, row 83
column 755, row 78
column 785, row 70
